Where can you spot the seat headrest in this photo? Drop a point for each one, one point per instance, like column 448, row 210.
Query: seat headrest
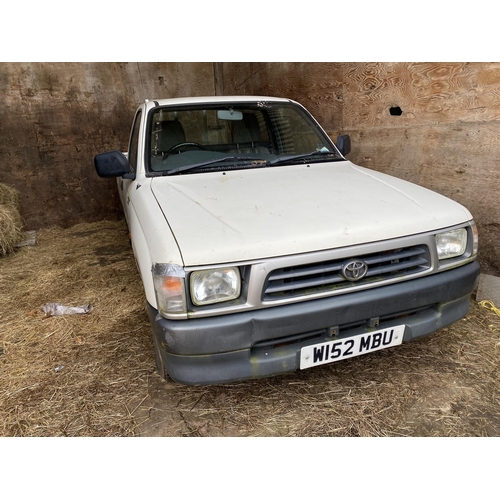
column 246, row 130
column 170, row 134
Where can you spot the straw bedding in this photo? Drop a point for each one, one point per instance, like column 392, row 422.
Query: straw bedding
column 94, row 374
column 72, row 375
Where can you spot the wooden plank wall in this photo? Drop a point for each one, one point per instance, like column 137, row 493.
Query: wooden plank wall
column 54, row 117
column 318, row 86
column 446, row 137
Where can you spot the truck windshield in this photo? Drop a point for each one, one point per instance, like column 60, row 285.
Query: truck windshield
column 235, row 133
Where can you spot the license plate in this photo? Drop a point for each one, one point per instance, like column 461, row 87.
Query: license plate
column 336, row 350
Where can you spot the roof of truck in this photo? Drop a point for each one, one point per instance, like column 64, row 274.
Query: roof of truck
column 216, row 99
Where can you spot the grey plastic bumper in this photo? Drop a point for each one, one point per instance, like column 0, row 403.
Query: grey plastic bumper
column 242, row 346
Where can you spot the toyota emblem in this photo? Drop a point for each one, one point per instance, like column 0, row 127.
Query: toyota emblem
column 354, row 270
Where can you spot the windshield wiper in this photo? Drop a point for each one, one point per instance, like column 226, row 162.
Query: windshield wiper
column 185, row 168
column 253, row 161
column 285, row 159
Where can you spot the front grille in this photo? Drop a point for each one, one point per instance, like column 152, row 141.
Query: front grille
column 326, row 276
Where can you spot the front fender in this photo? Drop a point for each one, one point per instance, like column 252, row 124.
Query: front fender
column 152, row 239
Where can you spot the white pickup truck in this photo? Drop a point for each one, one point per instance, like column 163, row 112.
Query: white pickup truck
column 262, row 250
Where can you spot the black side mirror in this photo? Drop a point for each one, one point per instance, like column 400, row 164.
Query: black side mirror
column 111, row 164
column 344, row 144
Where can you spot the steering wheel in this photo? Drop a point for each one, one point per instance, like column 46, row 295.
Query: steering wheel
column 185, row 144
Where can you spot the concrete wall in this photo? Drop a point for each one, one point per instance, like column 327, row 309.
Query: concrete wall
column 54, row 117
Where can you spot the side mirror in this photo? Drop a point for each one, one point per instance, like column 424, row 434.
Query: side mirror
column 344, row 144
column 111, row 164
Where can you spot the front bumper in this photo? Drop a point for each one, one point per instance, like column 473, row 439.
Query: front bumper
column 267, row 342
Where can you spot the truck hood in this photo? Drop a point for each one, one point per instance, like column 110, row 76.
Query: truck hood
column 240, row 215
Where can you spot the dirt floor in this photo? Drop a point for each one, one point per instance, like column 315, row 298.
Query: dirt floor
column 94, row 374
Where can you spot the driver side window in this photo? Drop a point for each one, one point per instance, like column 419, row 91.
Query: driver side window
column 134, row 141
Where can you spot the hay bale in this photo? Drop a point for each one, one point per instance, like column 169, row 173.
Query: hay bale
column 10, row 229
column 9, row 196
column 11, row 224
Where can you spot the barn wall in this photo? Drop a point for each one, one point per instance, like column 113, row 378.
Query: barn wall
column 447, row 137
column 318, row 86
column 54, row 117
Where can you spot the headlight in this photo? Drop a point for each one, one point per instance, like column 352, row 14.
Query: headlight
column 451, row 243
column 169, row 287
column 215, row 285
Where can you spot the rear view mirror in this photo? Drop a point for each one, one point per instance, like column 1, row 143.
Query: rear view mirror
column 229, row 114
column 111, row 164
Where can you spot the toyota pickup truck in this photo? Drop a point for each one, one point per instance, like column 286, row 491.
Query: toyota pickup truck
column 263, row 250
